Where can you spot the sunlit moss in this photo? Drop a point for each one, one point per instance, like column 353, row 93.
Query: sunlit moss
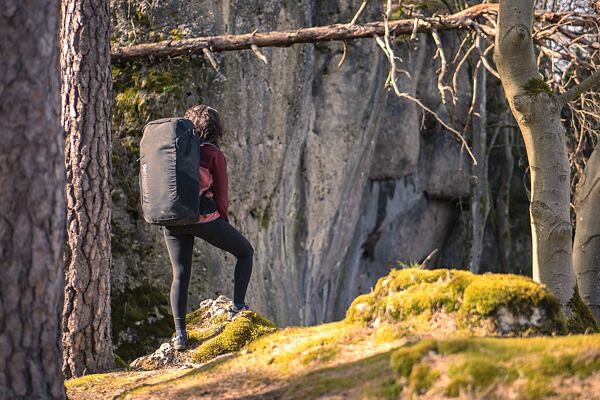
column 92, row 378
column 484, row 365
column 494, row 303
column 236, row 334
column 421, row 379
column 322, row 346
column 176, row 34
column 477, row 374
column 388, row 333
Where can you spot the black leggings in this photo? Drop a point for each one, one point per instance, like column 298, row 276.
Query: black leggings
column 180, row 242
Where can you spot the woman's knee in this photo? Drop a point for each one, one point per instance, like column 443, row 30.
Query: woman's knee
column 247, row 251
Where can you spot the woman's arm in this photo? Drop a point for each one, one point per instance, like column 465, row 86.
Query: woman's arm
column 219, row 173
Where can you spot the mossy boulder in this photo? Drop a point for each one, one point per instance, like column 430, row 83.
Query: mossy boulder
column 246, row 327
column 455, row 300
column 211, row 333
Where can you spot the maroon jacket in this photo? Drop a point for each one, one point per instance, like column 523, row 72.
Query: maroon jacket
column 213, row 178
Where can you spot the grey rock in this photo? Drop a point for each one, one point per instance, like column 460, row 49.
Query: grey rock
column 332, row 178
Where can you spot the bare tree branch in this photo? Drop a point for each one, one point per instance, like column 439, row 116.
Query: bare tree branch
column 465, row 19
column 578, row 90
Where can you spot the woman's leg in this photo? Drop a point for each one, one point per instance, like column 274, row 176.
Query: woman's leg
column 224, row 236
column 180, row 248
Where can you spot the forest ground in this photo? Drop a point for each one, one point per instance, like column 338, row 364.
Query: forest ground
column 428, row 353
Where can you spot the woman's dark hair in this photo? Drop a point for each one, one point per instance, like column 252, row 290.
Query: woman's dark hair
column 207, row 122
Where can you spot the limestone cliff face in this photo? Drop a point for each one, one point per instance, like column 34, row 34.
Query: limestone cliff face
column 332, row 178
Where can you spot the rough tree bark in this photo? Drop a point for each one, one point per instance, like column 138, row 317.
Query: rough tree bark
column 85, row 65
column 537, row 112
column 32, row 201
column 586, row 248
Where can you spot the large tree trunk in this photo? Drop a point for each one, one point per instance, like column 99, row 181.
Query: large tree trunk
column 537, row 112
column 32, row 201
column 85, row 64
column 586, row 248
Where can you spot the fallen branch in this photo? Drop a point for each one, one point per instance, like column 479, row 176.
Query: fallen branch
column 465, row 19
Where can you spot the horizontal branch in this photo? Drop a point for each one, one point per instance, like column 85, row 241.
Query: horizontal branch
column 462, row 20
column 172, row 48
column 576, row 91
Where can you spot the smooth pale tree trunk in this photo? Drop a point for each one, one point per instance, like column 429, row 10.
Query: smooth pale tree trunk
column 503, row 196
column 32, row 201
column 85, row 65
column 480, row 206
column 537, row 112
column 586, row 248
column 538, row 115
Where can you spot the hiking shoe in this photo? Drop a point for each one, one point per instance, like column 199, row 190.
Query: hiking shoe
column 180, row 342
column 233, row 310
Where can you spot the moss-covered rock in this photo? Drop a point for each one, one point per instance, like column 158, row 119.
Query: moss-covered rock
column 211, row 333
column 247, row 326
column 483, row 304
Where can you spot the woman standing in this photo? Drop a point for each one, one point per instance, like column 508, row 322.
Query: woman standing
column 213, row 225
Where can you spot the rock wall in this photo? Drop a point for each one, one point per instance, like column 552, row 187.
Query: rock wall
column 332, row 178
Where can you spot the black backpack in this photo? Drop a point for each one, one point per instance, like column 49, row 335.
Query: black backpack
column 169, row 179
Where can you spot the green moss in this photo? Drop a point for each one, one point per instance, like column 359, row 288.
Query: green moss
column 176, row 34
column 388, row 333
column 570, row 364
column 535, row 389
column 581, row 319
column 403, row 360
column 477, row 374
column 413, row 296
column 120, row 363
column 479, row 365
column 422, row 378
column 197, row 336
column 246, row 327
column 84, row 380
column 517, row 294
column 536, row 86
column 484, row 296
column 319, row 354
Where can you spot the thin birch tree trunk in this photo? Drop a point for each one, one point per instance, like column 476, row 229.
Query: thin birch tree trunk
column 480, row 206
column 32, row 201
column 503, row 197
column 586, row 248
column 86, row 95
